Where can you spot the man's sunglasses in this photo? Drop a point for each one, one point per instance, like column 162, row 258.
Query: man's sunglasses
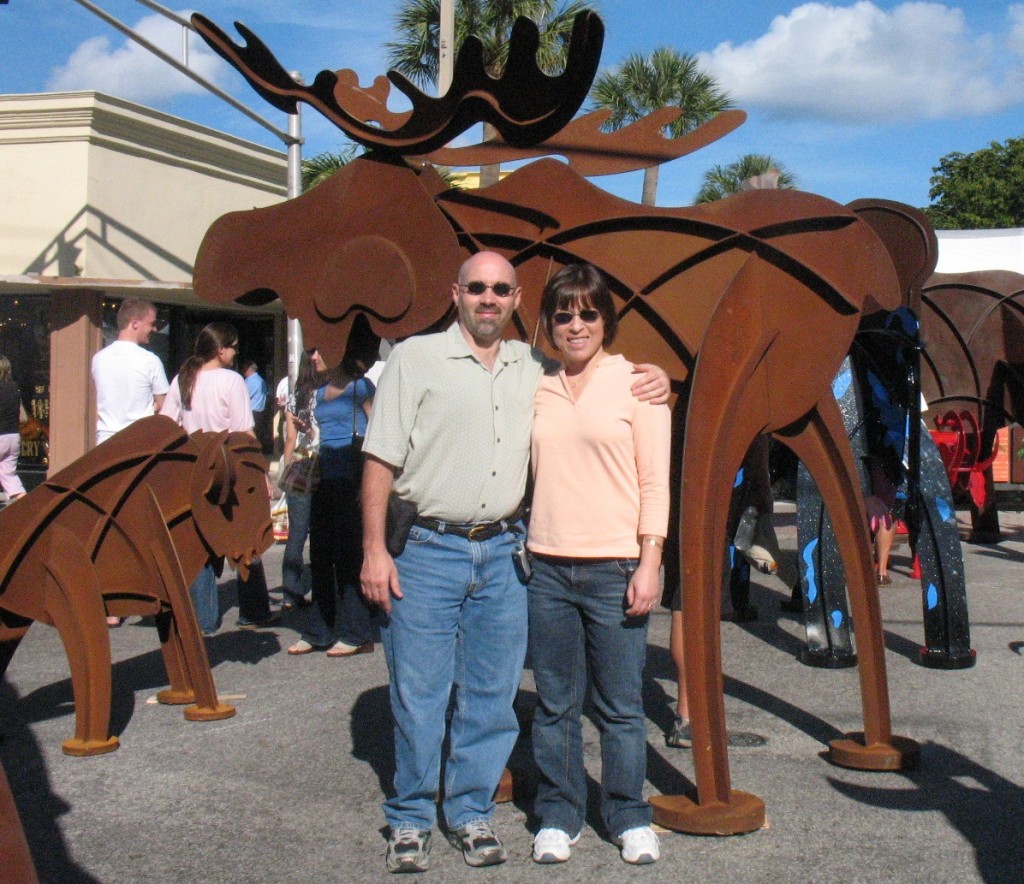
column 564, row 317
column 501, row 289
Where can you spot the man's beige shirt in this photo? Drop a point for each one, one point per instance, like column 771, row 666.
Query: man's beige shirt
column 458, row 433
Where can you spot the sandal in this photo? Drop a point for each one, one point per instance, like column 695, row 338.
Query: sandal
column 341, row 649
column 301, row 647
column 884, row 580
column 295, row 604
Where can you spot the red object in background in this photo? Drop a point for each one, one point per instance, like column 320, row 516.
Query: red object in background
column 958, row 438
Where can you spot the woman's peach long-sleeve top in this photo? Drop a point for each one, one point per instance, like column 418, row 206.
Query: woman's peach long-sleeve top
column 600, row 466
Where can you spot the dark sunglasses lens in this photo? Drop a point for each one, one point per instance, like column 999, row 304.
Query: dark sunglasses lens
column 565, row 317
column 501, row 289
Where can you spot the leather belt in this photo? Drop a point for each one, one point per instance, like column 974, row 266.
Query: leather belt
column 479, row 531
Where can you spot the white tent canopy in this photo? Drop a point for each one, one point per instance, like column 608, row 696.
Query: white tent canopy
column 961, row 251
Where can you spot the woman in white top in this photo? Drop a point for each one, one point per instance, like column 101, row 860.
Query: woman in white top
column 207, row 394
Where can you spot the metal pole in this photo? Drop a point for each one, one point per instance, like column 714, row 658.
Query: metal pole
column 294, row 189
column 446, row 47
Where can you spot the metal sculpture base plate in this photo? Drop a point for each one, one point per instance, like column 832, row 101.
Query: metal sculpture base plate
column 939, row 660
column 741, row 814
column 218, row 712
column 901, row 753
column 83, row 748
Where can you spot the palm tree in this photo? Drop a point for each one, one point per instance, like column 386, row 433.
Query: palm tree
column 642, row 84
column 319, row 167
column 417, row 23
column 721, row 181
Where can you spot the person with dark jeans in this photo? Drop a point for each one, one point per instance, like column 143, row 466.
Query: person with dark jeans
column 339, row 619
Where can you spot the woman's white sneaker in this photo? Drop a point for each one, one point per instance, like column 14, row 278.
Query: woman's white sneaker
column 552, row 846
column 639, row 845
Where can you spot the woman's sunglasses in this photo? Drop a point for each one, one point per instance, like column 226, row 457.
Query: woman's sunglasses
column 564, row 317
column 501, row 289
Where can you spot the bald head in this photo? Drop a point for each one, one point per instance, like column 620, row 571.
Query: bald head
column 485, row 266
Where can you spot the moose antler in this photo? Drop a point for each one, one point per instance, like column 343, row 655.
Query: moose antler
column 524, row 104
column 591, row 152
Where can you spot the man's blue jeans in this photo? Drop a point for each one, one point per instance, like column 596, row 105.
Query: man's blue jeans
column 461, row 621
column 578, row 621
column 298, row 529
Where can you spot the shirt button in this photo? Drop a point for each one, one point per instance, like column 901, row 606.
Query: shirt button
column 494, row 472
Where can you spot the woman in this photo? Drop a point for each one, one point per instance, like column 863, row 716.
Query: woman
column 300, row 440
column 339, row 619
column 207, row 395
column 600, row 465
column 12, row 414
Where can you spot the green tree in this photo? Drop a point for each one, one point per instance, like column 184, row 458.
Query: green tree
column 319, row 167
column 414, row 52
column 980, row 190
column 642, row 84
column 721, row 181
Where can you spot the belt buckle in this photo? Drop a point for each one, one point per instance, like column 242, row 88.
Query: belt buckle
column 477, row 531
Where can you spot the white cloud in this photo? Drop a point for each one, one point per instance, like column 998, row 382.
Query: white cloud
column 1015, row 14
column 859, row 63
column 123, row 68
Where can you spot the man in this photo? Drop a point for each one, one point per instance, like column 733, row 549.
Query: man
column 450, row 431
column 258, row 392
column 130, row 381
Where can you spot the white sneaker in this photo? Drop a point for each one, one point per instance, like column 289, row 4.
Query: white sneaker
column 639, row 845
column 552, row 846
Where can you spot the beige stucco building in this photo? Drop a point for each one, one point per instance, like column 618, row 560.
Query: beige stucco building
column 101, row 199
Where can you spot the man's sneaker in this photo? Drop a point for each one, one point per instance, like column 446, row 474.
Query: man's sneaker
column 478, row 843
column 552, row 846
column 408, row 850
column 680, row 737
column 639, row 845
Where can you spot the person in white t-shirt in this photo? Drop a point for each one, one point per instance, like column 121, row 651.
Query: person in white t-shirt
column 130, row 380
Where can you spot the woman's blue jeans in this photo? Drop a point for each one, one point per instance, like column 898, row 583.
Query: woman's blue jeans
column 298, row 529
column 461, row 621
column 578, row 621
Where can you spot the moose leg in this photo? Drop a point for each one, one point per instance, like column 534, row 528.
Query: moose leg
column 822, row 445
column 75, row 605
column 725, row 414
column 184, row 651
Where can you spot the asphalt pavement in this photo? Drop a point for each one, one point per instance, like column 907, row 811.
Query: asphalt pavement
column 290, row 788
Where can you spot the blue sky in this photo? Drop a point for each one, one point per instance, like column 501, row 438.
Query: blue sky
column 857, row 99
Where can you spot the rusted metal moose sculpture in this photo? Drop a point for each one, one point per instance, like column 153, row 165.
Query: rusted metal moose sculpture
column 124, row 530
column 749, row 303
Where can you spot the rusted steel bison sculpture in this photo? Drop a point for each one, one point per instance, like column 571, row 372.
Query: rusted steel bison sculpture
column 125, row 530
column 750, row 303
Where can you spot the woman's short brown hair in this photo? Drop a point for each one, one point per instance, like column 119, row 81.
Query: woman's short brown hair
column 578, row 286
